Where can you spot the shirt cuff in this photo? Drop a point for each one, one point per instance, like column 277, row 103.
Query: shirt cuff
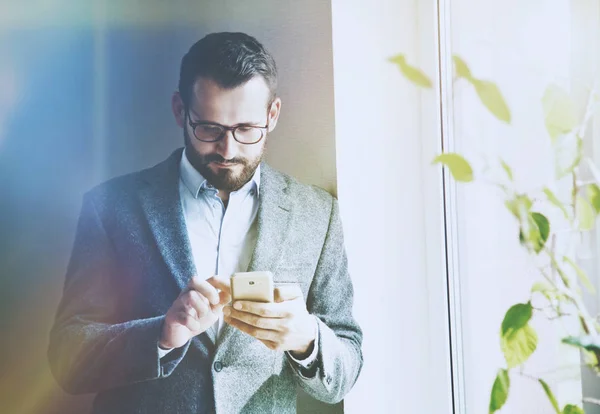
column 163, row 352
column 310, row 360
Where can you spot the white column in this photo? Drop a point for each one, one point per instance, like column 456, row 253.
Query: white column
column 387, row 132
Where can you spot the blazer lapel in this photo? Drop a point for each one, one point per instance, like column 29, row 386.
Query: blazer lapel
column 273, row 220
column 162, row 207
column 273, row 223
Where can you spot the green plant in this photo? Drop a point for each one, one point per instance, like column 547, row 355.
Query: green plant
column 560, row 276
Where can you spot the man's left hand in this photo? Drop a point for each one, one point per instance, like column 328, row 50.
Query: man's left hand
column 284, row 325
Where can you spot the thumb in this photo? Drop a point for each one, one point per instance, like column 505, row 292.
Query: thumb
column 219, row 282
column 287, row 292
column 224, row 299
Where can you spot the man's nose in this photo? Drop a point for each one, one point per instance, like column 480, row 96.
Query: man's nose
column 227, row 146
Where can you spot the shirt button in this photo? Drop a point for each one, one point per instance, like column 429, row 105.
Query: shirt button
column 328, row 379
column 218, row 366
column 252, row 192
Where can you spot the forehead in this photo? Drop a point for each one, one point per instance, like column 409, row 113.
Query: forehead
column 247, row 102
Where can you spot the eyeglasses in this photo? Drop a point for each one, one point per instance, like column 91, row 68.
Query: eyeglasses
column 213, row 132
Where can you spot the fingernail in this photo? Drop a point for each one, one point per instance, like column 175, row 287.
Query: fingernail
column 237, row 305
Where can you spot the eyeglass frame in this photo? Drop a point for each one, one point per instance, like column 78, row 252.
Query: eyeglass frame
column 225, row 128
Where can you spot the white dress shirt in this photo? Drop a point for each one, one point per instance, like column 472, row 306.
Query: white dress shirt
column 222, row 239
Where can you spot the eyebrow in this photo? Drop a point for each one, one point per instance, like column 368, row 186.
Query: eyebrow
column 205, row 121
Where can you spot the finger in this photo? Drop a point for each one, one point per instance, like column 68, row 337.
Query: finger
column 219, row 283
column 196, row 301
column 266, row 310
column 274, row 346
column 253, row 331
column 188, row 309
column 271, row 324
column 225, row 299
column 288, row 292
column 188, row 321
column 225, row 296
column 205, row 289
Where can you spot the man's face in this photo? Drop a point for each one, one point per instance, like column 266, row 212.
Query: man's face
column 246, row 104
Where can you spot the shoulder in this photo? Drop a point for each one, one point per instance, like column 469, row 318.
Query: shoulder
column 306, row 196
column 114, row 189
column 125, row 188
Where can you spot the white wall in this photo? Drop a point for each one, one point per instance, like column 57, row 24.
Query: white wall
column 386, row 134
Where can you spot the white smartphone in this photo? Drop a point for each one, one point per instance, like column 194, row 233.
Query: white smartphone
column 254, row 286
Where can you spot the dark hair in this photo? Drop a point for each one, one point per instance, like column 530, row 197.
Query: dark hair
column 229, row 59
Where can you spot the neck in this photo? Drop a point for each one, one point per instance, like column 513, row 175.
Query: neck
column 224, row 196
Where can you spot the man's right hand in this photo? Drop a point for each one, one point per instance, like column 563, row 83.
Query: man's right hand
column 196, row 309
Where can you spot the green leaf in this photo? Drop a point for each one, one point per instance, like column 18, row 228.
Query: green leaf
column 554, row 200
column 585, row 214
column 593, row 193
column 462, row 69
column 559, row 111
column 572, row 409
column 583, row 277
column 499, row 391
column 590, row 358
column 586, row 342
column 550, row 396
column 544, row 230
column 568, row 153
column 507, row 169
column 541, row 287
column 534, row 227
column 516, row 317
column 490, row 96
column 534, row 231
column 518, row 345
column 459, row 167
column 545, row 289
column 519, row 206
column 563, row 276
column 413, row 74
column 488, row 92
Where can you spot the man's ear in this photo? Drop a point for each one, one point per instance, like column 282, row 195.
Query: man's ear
column 178, row 109
column 274, row 112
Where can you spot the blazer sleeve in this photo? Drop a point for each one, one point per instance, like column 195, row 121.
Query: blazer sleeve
column 90, row 347
column 330, row 298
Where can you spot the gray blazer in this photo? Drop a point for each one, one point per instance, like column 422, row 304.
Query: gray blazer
column 130, row 260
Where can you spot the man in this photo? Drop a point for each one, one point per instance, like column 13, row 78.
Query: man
column 146, row 321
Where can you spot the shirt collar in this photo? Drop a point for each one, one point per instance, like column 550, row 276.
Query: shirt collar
column 195, row 182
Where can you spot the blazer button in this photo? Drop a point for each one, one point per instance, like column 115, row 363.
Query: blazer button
column 218, row 366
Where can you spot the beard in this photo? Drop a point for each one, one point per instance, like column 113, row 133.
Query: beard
column 225, row 179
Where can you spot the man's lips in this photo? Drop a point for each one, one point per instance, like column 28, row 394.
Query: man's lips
column 218, row 164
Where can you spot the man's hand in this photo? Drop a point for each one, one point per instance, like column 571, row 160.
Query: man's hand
column 195, row 310
column 284, row 325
